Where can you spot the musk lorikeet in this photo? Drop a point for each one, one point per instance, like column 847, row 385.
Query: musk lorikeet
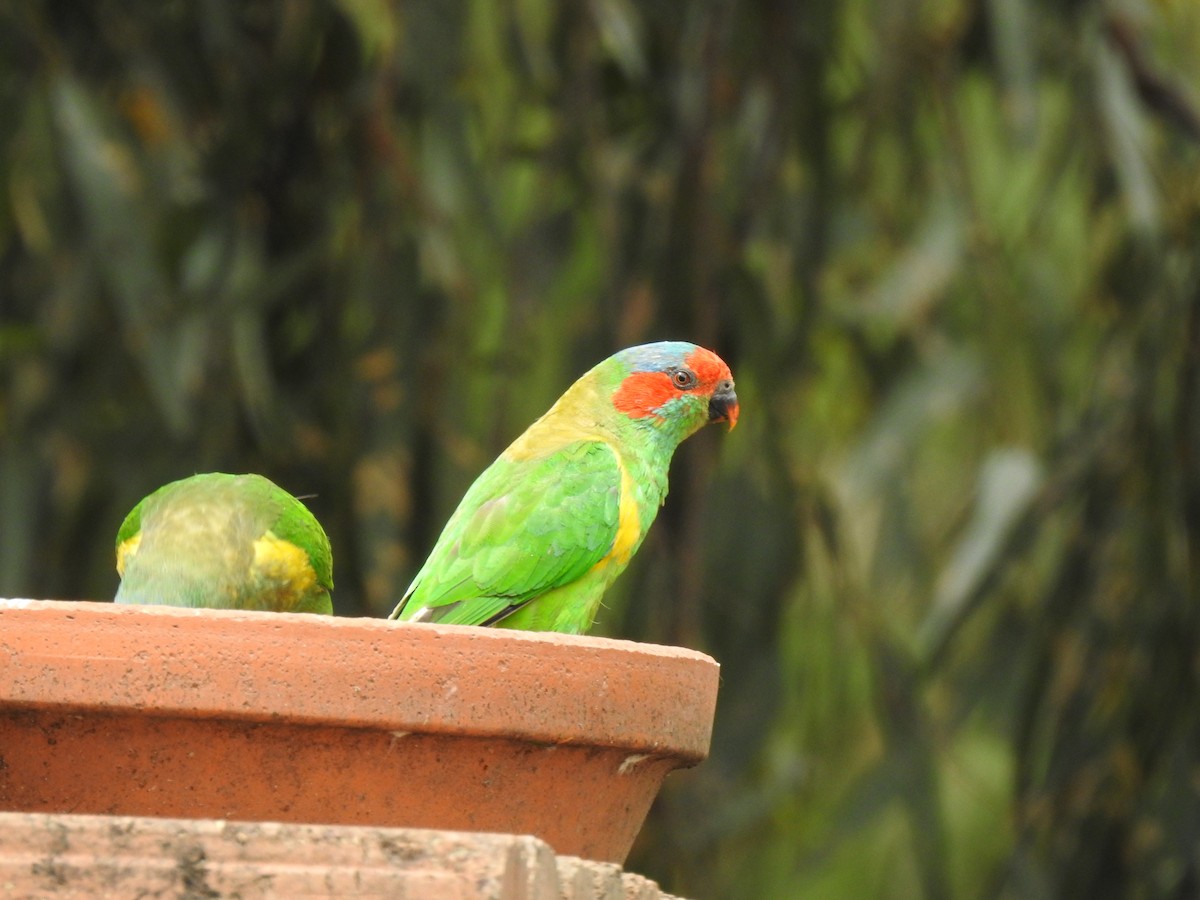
column 224, row 542
column 549, row 525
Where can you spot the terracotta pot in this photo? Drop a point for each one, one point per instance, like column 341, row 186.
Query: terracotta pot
column 301, row 718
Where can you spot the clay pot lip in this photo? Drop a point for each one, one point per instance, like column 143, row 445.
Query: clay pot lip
column 408, row 678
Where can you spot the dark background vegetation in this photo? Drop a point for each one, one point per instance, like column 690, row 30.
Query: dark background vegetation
column 949, row 561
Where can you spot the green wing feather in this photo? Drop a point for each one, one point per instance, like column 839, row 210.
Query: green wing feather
column 133, row 522
column 296, row 524
column 525, row 527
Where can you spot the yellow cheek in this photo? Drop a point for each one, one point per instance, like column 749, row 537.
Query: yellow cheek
column 284, row 563
column 126, row 550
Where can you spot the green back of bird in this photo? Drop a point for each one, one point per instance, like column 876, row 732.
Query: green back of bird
column 224, row 542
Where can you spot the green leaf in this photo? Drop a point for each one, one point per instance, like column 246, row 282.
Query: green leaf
column 119, row 219
column 1128, row 139
column 1008, row 482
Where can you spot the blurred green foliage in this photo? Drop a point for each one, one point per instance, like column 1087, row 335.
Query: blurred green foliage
column 949, row 561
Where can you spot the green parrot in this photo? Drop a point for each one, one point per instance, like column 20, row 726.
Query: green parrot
column 548, row 526
column 224, row 542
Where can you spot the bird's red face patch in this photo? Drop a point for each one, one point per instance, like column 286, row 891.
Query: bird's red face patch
column 643, row 394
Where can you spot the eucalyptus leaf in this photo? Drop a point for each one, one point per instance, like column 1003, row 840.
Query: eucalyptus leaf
column 1008, row 482
column 117, row 215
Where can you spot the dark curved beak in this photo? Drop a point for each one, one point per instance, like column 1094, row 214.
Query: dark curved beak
column 723, row 405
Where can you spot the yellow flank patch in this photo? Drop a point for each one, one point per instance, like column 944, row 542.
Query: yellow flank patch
column 283, row 563
column 629, row 522
column 127, row 548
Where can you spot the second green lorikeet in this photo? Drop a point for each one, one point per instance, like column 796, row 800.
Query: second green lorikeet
column 224, row 542
column 549, row 525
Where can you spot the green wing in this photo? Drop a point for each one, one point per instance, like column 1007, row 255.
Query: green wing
column 295, row 523
column 132, row 524
column 524, row 528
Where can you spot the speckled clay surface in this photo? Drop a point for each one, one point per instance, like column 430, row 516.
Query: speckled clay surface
column 298, row 718
column 57, row 855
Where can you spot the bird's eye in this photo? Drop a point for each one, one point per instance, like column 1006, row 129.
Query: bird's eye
column 683, row 379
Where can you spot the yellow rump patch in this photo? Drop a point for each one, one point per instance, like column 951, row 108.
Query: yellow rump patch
column 284, row 563
column 127, row 549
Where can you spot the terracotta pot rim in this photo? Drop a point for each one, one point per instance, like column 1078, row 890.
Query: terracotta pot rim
column 405, row 677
